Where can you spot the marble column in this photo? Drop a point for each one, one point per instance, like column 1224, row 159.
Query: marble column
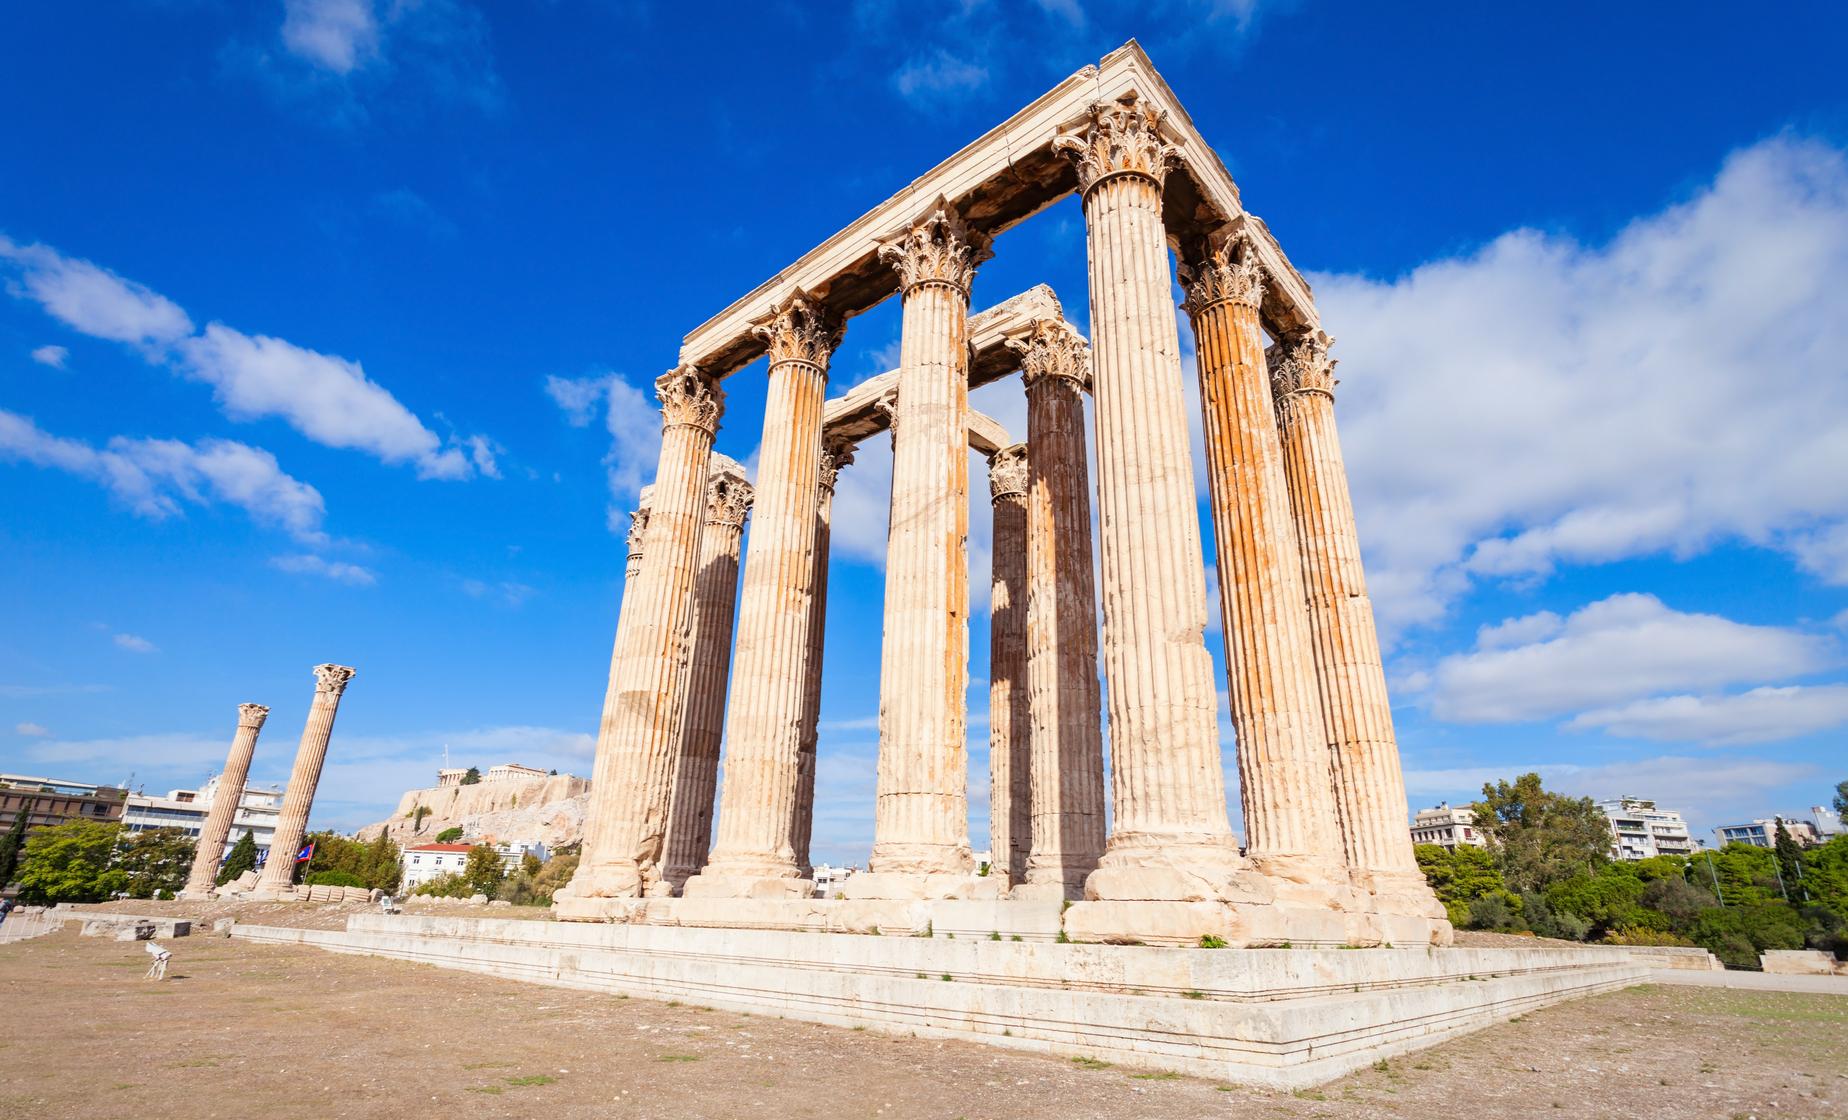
column 702, row 723
column 834, row 456
column 1368, row 781
column 1010, row 724
column 1283, row 760
column 921, row 820
column 230, row 793
column 637, row 740
column 1172, row 839
column 1068, row 758
column 330, row 682
column 755, row 854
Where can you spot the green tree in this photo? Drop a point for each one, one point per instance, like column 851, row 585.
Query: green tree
column 376, row 864
column 70, row 863
column 1462, row 875
column 333, row 879
column 1539, row 836
column 155, row 860
column 473, row 777
column 1738, row 934
column 483, row 871
column 1789, row 862
column 445, row 886
column 449, row 835
column 10, row 844
column 1841, row 797
column 243, row 858
column 384, row 866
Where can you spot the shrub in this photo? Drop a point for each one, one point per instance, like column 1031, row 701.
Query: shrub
column 334, row 879
column 449, row 835
column 1636, row 935
column 1493, row 912
column 445, row 886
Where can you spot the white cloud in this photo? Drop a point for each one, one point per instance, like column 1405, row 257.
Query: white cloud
column 1762, row 715
column 1544, row 402
column 35, row 730
column 135, row 643
column 337, row 570
column 929, row 77
column 328, row 399
column 1610, row 652
column 337, row 35
column 634, row 425
column 153, row 477
column 53, row 356
column 92, row 299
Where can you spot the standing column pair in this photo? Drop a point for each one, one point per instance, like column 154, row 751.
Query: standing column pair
column 921, row 826
column 330, row 682
column 637, row 740
column 755, row 854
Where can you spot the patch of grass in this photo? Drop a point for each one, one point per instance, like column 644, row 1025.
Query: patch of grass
column 678, row 1058
column 920, row 976
column 1090, row 1063
column 1062, row 939
column 1193, row 994
column 1212, row 941
column 1382, row 1066
column 1016, row 937
column 530, row 1079
column 673, row 1003
column 995, row 936
column 929, row 930
column 945, row 977
column 1226, row 1088
column 1309, row 1095
column 1163, row 1076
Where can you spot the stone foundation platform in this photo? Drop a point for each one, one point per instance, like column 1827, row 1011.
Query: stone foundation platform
column 1277, row 1017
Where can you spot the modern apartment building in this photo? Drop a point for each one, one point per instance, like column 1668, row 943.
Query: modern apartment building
column 49, row 801
column 1447, row 827
column 1639, row 830
column 186, row 809
column 1762, row 833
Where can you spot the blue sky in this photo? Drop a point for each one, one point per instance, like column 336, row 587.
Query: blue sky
column 328, row 325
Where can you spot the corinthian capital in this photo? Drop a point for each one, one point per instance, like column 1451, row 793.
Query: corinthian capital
column 835, row 454
column 1222, row 268
column 332, row 679
column 252, row 715
column 638, row 528
column 1051, row 348
column 1007, row 472
column 689, row 398
column 1305, row 366
column 800, row 330
column 939, row 249
column 728, row 500
column 1120, row 138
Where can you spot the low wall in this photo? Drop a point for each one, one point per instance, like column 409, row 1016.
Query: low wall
column 1801, row 962
column 1278, row 1017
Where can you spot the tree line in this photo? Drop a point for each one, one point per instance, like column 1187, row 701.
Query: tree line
column 1547, row 870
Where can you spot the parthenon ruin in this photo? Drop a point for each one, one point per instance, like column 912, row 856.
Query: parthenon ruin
column 1326, row 858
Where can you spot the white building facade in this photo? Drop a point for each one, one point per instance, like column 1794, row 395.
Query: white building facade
column 1447, row 827
column 1762, row 833
column 186, row 810
column 429, row 861
column 1640, row 830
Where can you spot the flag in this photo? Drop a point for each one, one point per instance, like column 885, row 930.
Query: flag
column 305, row 854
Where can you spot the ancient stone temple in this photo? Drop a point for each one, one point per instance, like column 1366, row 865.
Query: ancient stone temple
column 1325, row 857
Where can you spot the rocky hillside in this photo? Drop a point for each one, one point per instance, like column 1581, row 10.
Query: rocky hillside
column 550, row 810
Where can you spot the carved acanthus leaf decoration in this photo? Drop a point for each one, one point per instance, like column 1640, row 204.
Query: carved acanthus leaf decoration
column 252, row 715
column 1306, row 366
column 1007, row 472
column 332, row 679
column 1051, row 348
column 800, row 330
column 638, row 528
column 689, row 398
column 1120, row 138
column 1223, row 268
column 835, row 454
column 939, row 249
column 728, row 500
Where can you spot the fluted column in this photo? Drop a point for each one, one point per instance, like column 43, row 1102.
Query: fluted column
column 330, row 682
column 755, row 853
column 211, row 845
column 1172, row 838
column 702, row 724
column 1283, row 758
column 1068, row 759
column 1352, row 682
column 626, row 825
column 921, row 822
column 1010, row 724
column 834, row 456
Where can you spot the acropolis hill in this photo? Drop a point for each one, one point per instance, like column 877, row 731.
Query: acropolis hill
column 510, row 803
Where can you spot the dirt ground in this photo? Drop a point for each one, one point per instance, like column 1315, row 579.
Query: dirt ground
column 306, row 915
column 245, row 1030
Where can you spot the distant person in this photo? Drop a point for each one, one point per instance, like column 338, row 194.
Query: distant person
column 6, row 907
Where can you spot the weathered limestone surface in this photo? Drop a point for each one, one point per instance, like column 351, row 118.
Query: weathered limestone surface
column 835, row 454
column 1369, row 783
column 330, row 682
column 921, row 827
column 755, row 852
column 217, row 826
column 1172, row 838
column 637, row 739
column 1067, row 740
column 549, row 809
column 1283, row 759
column 702, row 725
column 1010, row 724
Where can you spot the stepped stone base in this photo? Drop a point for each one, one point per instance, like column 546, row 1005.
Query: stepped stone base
column 1277, row 1017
